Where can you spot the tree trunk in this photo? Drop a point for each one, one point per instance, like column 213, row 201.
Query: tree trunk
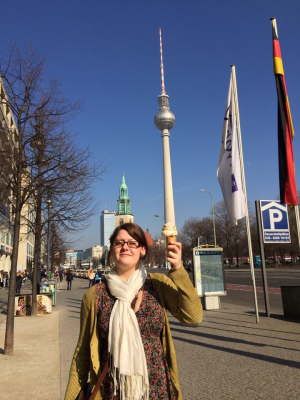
column 36, row 257
column 9, row 332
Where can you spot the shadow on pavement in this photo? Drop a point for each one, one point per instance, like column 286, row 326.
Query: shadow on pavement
column 3, row 307
column 274, row 360
column 242, row 326
column 283, row 318
column 77, row 300
column 217, row 337
column 234, row 340
column 256, row 335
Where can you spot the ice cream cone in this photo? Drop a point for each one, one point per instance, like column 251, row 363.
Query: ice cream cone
column 169, row 231
column 170, row 239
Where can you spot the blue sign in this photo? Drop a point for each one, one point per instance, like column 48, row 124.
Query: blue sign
column 257, row 262
column 275, row 222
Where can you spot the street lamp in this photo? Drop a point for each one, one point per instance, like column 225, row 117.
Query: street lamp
column 213, row 213
column 49, row 202
column 158, row 216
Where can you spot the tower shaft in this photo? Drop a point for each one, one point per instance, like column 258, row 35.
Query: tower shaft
column 164, row 121
column 169, row 211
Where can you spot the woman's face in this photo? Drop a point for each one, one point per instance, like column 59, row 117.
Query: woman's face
column 126, row 256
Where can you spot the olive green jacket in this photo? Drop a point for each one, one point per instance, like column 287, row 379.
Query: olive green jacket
column 176, row 295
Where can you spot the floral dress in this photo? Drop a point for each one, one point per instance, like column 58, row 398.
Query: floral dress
column 150, row 318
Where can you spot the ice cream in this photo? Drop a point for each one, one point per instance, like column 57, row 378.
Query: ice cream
column 169, row 231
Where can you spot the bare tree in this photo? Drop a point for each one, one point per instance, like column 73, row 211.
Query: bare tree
column 38, row 112
column 194, row 228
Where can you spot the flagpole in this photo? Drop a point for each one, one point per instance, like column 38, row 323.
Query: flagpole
column 296, row 209
column 244, row 188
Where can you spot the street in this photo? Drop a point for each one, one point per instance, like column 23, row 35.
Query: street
column 228, row 356
column 239, row 287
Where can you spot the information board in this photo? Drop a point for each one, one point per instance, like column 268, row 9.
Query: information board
column 209, row 271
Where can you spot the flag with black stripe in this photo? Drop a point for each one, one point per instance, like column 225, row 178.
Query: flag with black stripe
column 287, row 180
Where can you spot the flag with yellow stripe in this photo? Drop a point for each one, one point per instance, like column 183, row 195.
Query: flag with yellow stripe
column 287, row 180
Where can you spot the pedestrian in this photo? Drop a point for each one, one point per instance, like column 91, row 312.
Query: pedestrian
column 5, row 276
column 69, row 278
column 124, row 320
column 43, row 273
column 1, row 279
column 19, row 282
column 98, row 277
column 60, row 275
column 91, row 278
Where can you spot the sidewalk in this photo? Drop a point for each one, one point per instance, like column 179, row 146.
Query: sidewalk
column 228, row 356
column 33, row 372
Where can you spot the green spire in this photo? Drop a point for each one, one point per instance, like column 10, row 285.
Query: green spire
column 124, row 206
column 123, row 189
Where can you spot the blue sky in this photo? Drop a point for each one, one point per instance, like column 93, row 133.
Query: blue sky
column 107, row 54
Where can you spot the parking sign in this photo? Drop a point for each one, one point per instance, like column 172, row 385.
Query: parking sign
column 275, row 222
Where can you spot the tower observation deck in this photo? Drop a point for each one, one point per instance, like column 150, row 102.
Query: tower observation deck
column 164, row 120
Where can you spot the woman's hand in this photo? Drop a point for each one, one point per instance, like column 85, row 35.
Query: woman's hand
column 174, row 255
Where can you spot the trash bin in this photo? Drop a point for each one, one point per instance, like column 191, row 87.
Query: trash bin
column 49, row 286
column 291, row 301
column 257, row 262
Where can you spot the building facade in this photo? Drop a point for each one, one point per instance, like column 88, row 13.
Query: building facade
column 94, row 253
column 107, row 226
column 8, row 132
column 26, row 243
column 73, row 258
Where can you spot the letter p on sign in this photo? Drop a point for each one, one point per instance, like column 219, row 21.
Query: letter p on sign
column 275, row 216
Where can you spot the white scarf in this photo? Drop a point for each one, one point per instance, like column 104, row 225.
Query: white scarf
column 128, row 365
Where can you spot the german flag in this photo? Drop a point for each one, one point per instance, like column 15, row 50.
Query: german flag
column 287, row 181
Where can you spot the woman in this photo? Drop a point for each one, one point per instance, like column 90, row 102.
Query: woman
column 124, row 319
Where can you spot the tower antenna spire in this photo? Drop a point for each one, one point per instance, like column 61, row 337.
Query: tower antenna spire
column 164, row 120
column 163, row 89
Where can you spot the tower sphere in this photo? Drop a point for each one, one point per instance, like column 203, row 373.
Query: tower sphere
column 164, row 119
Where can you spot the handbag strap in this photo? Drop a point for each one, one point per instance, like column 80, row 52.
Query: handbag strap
column 100, row 380
column 105, row 369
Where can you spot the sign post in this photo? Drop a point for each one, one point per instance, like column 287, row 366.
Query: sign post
column 262, row 257
column 273, row 227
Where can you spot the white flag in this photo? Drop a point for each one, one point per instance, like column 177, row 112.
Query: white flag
column 229, row 169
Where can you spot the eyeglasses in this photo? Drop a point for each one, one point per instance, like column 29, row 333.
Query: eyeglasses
column 131, row 244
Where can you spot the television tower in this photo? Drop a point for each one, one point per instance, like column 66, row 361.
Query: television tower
column 164, row 120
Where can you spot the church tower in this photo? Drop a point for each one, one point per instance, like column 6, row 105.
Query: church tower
column 124, row 213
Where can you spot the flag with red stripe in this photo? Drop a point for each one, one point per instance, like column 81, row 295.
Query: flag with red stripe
column 287, row 180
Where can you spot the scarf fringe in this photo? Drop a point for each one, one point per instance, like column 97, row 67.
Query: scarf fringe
column 132, row 387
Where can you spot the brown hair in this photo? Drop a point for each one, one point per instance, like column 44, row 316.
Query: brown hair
column 134, row 231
